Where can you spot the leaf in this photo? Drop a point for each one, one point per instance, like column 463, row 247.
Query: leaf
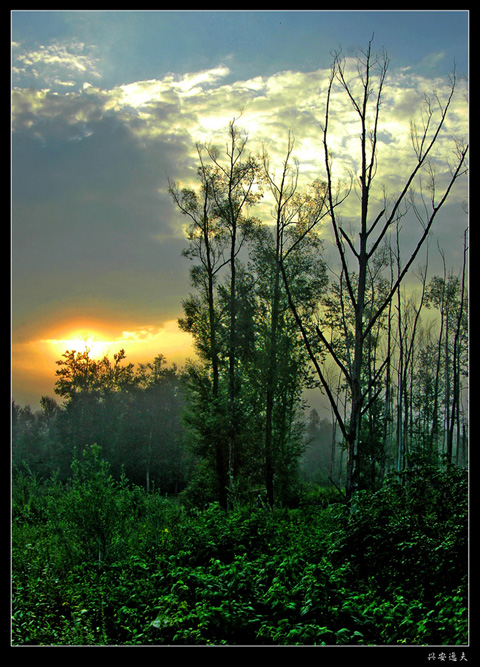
column 161, row 621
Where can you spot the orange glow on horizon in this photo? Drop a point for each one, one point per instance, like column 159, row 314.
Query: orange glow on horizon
column 96, row 347
column 34, row 362
column 103, row 340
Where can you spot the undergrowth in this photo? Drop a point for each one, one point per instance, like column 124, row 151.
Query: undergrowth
column 99, row 562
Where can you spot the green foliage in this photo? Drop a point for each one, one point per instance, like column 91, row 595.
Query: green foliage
column 100, row 557
column 135, row 416
column 100, row 562
column 94, row 511
column 321, row 496
column 415, row 528
column 409, row 541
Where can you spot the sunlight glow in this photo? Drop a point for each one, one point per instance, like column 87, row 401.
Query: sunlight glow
column 143, row 341
column 80, row 342
column 34, row 362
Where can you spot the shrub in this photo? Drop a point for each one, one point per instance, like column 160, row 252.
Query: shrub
column 314, row 495
column 103, row 562
column 93, row 516
column 412, row 533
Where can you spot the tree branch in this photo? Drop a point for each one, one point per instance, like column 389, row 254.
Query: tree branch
column 426, row 231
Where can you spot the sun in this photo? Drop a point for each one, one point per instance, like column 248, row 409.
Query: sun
column 81, row 342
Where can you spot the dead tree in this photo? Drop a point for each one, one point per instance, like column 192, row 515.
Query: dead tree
column 364, row 93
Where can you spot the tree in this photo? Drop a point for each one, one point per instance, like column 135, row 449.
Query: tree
column 134, row 415
column 458, row 333
column 235, row 188
column 149, row 439
column 364, row 92
column 297, row 276
column 317, row 463
column 220, row 227
column 90, row 389
column 208, row 244
column 448, row 295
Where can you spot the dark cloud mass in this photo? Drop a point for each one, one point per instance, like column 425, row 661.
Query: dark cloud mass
column 90, row 210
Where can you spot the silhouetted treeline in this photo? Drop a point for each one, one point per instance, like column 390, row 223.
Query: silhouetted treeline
column 134, row 415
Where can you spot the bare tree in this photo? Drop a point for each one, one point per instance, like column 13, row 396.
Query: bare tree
column 455, row 406
column 365, row 96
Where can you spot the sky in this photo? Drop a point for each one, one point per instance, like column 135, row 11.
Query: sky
column 107, row 106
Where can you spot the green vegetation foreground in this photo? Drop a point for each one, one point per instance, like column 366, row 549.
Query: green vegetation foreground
column 101, row 562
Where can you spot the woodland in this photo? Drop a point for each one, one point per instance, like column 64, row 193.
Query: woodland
column 210, row 504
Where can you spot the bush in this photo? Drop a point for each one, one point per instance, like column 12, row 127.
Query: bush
column 314, row 495
column 94, row 516
column 412, row 533
column 101, row 562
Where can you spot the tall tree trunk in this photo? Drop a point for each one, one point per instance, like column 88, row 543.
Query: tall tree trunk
column 455, row 414
column 232, row 388
column 271, row 386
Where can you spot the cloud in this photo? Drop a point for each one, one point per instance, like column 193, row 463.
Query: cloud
column 55, row 65
column 93, row 225
column 107, row 152
column 192, row 84
column 198, row 106
column 432, row 60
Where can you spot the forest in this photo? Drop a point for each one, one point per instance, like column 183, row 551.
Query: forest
column 210, row 504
